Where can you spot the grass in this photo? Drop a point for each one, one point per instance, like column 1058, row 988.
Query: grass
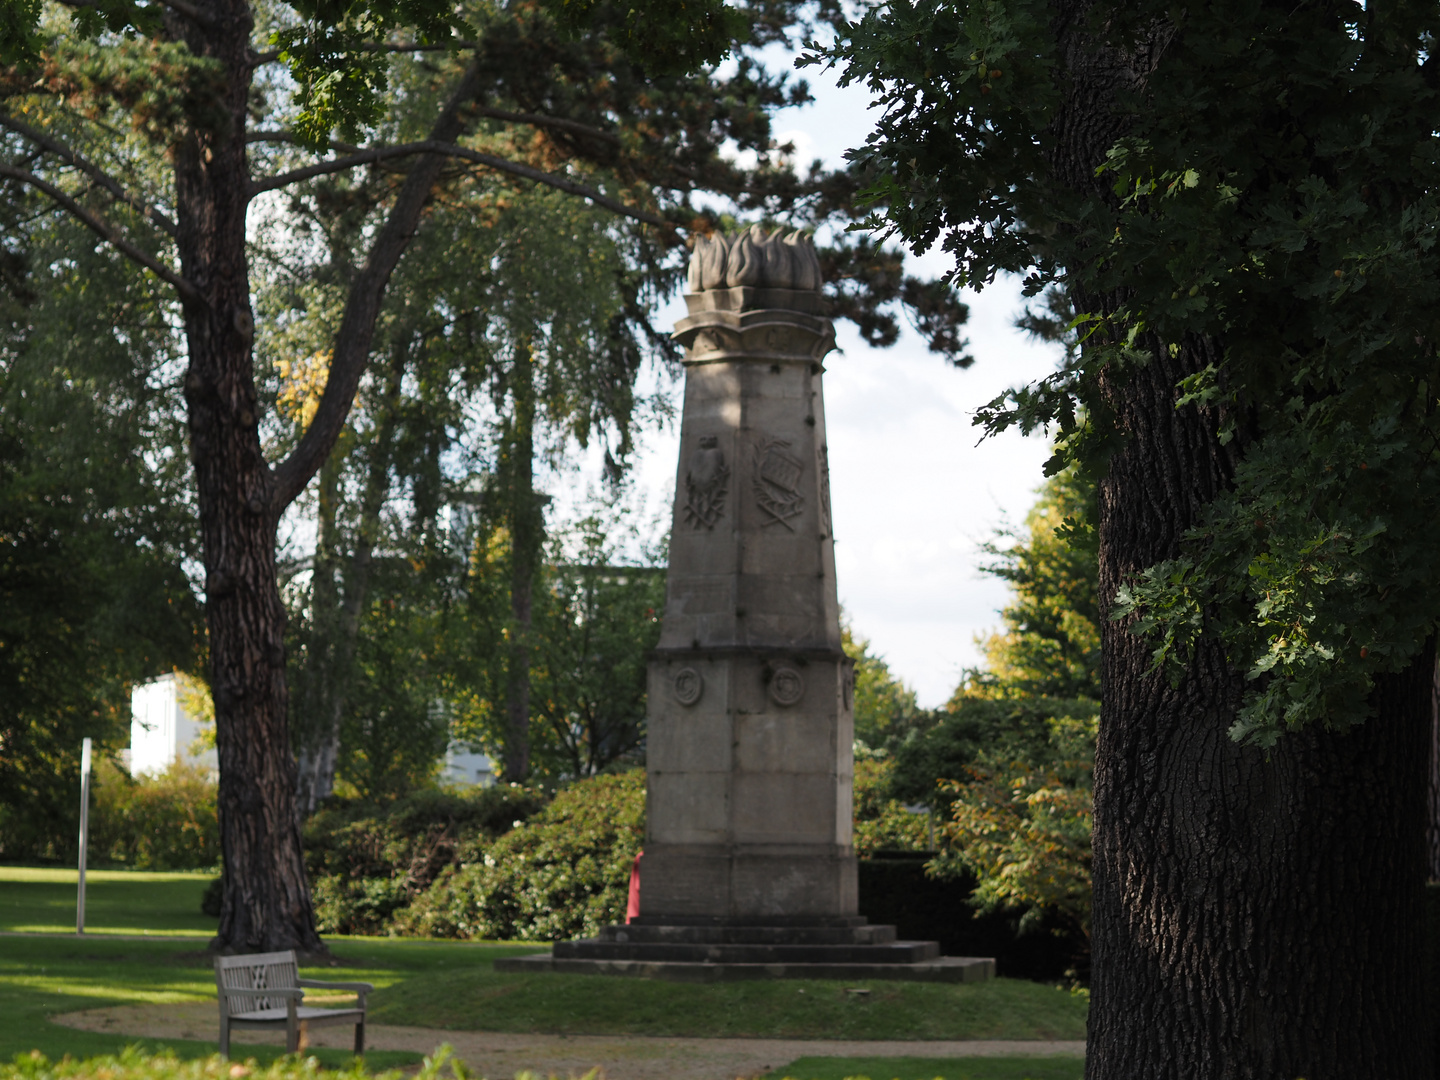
column 476, row 996
column 967, row 1068
column 116, row 902
column 453, row 985
column 41, row 977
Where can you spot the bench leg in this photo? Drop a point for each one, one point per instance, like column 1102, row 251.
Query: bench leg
column 225, row 1037
column 360, row 1036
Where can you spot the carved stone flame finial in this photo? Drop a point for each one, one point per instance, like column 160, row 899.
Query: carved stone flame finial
column 776, row 261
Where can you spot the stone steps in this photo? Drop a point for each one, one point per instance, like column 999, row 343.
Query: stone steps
column 952, row 969
column 897, row 952
column 733, row 934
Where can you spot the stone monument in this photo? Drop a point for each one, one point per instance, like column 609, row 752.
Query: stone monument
column 749, row 867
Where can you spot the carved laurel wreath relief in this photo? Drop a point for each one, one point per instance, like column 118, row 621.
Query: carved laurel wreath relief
column 707, row 483
column 777, row 482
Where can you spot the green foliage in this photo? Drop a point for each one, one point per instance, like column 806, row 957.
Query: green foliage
column 165, row 822
column 340, row 81
column 137, row 1063
column 665, row 37
column 1007, row 764
column 1024, row 828
column 594, row 621
column 394, row 733
column 562, row 874
column 885, row 708
column 18, row 40
column 1042, row 667
column 881, row 821
column 366, row 861
column 1268, row 207
column 94, row 523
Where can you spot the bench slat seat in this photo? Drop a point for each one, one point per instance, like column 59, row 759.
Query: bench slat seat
column 264, row 990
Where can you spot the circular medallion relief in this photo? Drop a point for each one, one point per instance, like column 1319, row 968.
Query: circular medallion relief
column 786, row 686
column 689, row 685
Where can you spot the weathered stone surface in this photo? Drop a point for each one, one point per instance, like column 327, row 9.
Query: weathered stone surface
column 750, row 730
column 942, row 969
column 749, row 866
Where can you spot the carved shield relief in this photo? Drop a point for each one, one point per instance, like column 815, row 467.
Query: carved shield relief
column 707, row 483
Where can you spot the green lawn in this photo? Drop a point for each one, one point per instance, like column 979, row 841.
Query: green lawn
column 116, row 902
column 970, row 1068
column 42, row 977
column 473, row 995
column 453, row 985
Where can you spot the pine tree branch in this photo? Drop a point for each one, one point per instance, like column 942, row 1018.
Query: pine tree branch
column 375, row 155
column 190, row 11
column 155, row 216
column 560, row 122
column 187, row 289
column 362, row 306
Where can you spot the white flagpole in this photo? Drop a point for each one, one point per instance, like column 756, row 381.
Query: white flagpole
column 84, row 832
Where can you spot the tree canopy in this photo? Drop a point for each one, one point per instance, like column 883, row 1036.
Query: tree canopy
column 1240, row 201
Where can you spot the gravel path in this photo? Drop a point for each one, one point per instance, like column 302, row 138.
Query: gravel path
column 619, row 1057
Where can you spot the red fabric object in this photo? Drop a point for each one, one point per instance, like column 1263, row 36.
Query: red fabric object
column 632, row 909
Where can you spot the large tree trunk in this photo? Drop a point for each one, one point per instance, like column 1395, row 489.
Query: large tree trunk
column 1255, row 914
column 526, row 526
column 267, row 899
column 1432, row 822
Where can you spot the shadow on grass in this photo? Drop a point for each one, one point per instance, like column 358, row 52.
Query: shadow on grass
column 904, row 1068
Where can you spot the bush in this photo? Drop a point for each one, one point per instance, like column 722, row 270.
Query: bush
column 366, row 860
column 134, row 1064
column 881, row 822
column 166, row 822
column 357, row 905
column 563, row 874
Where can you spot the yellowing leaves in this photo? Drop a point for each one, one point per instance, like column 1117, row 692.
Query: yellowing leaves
column 301, row 384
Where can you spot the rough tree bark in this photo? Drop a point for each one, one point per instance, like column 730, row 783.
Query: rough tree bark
column 1432, row 821
column 266, row 897
column 526, row 527
column 1256, row 915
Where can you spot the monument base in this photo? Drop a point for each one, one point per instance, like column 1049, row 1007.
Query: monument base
column 709, row 949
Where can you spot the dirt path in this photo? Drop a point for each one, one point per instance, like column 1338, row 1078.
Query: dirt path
column 620, row 1057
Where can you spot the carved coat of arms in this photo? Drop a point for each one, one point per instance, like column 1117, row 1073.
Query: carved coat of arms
column 777, row 482
column 707, row 482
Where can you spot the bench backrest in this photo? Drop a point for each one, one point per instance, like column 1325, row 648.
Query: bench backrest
column 255, row 971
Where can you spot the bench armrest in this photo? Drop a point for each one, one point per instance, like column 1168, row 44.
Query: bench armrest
column 357, row 987
column 273, row 992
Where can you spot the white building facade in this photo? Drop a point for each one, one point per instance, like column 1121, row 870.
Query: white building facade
column 161, row 730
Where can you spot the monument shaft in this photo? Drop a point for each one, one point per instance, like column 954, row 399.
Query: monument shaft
column 749, row 745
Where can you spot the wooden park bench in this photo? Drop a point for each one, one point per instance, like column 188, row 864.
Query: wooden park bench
column 264, row 990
